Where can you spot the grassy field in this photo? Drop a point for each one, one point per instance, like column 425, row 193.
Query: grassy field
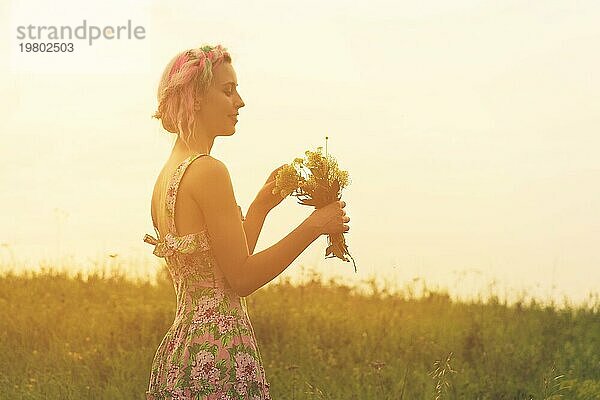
column 94, row 337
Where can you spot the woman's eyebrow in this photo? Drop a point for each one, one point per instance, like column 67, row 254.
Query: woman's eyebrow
column 226, row 83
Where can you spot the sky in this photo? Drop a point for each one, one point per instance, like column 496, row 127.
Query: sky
column 469, row 129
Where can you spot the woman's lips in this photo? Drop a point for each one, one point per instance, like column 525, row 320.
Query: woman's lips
column 233, row 117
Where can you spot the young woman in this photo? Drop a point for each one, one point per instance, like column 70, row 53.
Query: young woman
column 210, row 351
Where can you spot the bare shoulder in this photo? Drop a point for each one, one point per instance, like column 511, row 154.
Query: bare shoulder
column 207, row 167
column 208, row 180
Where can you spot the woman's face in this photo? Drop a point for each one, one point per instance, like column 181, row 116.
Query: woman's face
column 218, row 110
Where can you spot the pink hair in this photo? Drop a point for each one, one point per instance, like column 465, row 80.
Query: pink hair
column 186, row 78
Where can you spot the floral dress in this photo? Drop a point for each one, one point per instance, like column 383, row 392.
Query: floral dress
column 210, row 352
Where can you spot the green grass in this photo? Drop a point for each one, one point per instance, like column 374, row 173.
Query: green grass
column 94, row 337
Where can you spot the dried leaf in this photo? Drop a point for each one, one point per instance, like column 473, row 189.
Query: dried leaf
column 329, row 250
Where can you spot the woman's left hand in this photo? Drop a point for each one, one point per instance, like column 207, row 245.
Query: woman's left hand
column 265, row 199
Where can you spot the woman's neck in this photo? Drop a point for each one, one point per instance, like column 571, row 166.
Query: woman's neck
column 199, row 146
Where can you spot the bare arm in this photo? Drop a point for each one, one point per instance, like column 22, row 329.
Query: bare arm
column 269, row 263
column 255, row 218
column 264, row 202
column 245, row 273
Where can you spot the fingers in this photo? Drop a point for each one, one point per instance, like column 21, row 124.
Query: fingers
column 341, row 204
column 341, row 212
column 337, row 218
column 338, row 227
column 345, row 228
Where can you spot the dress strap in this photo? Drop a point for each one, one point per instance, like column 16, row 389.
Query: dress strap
column 174, row 187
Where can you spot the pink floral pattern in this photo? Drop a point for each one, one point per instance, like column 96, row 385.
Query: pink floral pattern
column 210, row 351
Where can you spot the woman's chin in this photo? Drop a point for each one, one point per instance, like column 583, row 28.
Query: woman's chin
column 229, row 132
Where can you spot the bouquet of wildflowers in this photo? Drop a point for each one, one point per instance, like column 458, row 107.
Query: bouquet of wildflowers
column 316, row 180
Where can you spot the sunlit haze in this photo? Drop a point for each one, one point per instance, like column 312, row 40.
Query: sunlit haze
column 469, row 129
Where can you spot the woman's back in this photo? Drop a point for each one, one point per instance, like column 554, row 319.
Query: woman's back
column 189, row 217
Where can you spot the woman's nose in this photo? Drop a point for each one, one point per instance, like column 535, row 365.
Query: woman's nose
column 240, row 101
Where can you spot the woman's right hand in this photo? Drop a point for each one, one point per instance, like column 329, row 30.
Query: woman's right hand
column 330, row 219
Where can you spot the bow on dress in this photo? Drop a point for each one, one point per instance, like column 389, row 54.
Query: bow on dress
column 162, row 248
column 183, row 244
column 172, row 244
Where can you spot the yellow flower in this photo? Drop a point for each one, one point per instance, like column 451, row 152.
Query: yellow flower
column 315, row 161
column 309, row 185
column 342, row 178
column 286, row 181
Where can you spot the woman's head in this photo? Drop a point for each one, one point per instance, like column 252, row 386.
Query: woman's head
column 197, row 93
